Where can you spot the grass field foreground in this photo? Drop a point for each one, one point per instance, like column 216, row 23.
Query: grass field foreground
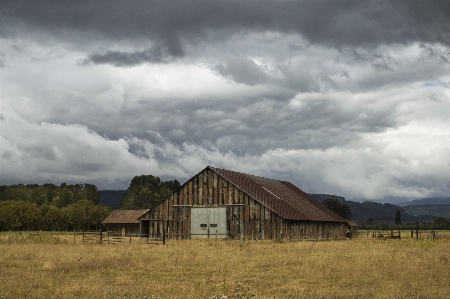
column 359, row 268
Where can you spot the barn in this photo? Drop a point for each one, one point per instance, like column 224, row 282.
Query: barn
column 124, row 222
column 220, row 203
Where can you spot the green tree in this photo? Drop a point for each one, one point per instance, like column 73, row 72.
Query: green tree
column 38, row 196
column 92, row 193
column 342, row 210
column 441, row 223
column 146, row 191
column 398, row 217
column 18, row 214
column 66, row 198
column 97, row 215
column 54, row 219
column 9, row 219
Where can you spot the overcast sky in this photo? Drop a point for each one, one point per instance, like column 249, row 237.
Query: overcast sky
column 341, row 97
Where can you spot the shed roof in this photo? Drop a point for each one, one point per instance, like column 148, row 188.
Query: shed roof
column 124, row 216
column 281, row 197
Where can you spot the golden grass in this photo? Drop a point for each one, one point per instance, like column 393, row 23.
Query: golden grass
column 359, row 268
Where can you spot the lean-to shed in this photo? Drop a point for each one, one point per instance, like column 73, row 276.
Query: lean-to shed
column 228, row 204
column 124, row 222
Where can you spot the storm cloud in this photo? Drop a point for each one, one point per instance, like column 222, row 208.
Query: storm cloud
column 342, row 97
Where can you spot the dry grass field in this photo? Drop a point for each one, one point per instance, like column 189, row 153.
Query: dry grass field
column 358, row 268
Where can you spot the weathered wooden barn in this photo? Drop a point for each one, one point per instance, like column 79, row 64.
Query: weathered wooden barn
column 228, row 204
column 124, row 222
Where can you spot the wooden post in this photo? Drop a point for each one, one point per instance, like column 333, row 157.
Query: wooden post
column 101, row 237
column 417, row 234
column 10, row 237
column 74, row 236
column 412, row 234
column 164, row 233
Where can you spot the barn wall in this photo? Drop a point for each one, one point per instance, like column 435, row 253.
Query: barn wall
column 132, row 229
column 114, row 229
column 246, row 218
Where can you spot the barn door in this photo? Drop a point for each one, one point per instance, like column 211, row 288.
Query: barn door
column 209, row 222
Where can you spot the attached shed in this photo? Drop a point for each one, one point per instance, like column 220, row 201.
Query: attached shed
column 125, row 222
column 228, row 204
column 352, row 229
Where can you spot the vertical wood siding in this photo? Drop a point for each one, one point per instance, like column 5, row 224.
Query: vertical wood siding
column 246, row 218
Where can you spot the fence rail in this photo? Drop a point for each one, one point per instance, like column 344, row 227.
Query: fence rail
column 77, row 237
column 402, row 234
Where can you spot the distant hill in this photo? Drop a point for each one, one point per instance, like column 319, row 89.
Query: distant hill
column 377, row 212
column 438, row 210
column 427, row 201
column 111, row 198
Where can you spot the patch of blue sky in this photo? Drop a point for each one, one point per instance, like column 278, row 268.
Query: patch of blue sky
column 435, row 84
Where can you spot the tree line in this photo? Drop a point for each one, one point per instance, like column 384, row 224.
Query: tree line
column 51, row 207
column 146, row 191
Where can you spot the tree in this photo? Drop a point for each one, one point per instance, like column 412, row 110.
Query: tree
column 441, row 223
column 54, row 218
column 342, row 210
column 92, row 193
column 146, row 191
column 66, row 198
column 398, row 217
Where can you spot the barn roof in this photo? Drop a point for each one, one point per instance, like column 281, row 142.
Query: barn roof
column 124, row 216
column 281, row 197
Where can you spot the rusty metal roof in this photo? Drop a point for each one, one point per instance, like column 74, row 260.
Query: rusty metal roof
column 281, row 197
column 124, row 216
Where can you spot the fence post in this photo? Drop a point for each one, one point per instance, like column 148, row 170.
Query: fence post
column 101, row 236
column 417, row 234
column 10, row 237
column 74, row 236
column 164, row 233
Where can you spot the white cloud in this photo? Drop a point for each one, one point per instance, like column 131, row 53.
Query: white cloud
column 363, row 117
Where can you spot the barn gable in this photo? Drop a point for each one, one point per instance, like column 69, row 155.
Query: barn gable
column 251, row 207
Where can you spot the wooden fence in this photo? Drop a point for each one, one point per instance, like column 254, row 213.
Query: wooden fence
column 83, row 237
column 403, row 234
column 111, row 238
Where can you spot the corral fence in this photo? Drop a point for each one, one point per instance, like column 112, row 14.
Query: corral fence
column 402, row 234
column 112, row 238
column 77, row 237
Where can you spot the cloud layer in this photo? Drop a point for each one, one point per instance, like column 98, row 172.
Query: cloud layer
column 337, row 97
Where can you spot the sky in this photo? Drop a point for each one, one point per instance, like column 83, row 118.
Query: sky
column 350, row 98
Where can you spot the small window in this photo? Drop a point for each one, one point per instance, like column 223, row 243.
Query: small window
column 213, row 225
column 203, row 225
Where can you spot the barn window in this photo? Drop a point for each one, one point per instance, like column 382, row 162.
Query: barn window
column 203, row 225
column 213, row 225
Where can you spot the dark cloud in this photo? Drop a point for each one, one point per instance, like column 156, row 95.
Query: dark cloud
column 242, row 70
column 124, row 59
column 337, row 96
column 172, row 23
